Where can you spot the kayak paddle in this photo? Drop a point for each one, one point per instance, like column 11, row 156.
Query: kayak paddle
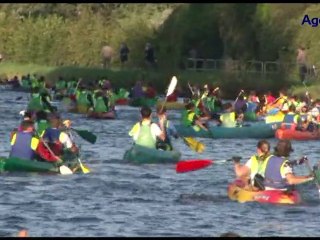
column 170, row 90
column 86, row 135
column 194, row 144
column 311, row 172
column 196, row 164
column 241, row 91
column 64, row 170
column 84, row 169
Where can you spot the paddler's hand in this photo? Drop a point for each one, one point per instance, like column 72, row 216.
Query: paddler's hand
column 74, row 149
column 59, row 162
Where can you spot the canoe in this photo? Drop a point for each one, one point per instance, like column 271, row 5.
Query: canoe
column 171, row 105
column 288, row 134
column 22, row 165
column 236, row 192
column 138, row 102
column 254, row 130
column 105, row 115
column 139, row 154
column 122, row 101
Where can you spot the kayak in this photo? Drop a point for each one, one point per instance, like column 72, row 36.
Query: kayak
column 289, row 134
column 21, row 165
column 140, row 154
column 79, row 109
column 171, row 105
column 105, row 115
column 276, row 118
column 254, row 130
column 138, row 102
column 236, row 192
column 122, row 101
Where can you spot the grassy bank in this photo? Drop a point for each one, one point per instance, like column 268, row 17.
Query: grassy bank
column 229, row 83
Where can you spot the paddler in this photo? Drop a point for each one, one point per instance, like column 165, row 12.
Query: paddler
column 145, row 132
column 229, row 118
column 167, row 128
column 275, row 171
column 58, row 140
column 291, row 119
column 26, row 145
column 190, row 118
column 41, row 122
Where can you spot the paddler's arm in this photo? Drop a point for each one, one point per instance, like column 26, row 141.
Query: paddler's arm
column 242, row 170
column 158, row 131
column 47, row 103
column 291, row 178
column 68, row 144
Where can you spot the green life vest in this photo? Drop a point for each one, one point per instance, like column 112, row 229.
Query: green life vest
column 25, row 83
column 60, row 85
column 145, row 138
column 35, row 104
column 99, row 105
column 228, row 119
column 41, row 126
column 82, row 98
column 188, row 120
column 123, row 93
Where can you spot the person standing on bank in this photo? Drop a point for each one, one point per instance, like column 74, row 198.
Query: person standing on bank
column 124, row 51
column 149, row 55
column 302, row 63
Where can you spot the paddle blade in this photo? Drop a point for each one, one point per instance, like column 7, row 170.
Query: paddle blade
column 172, row 86
column 86, row 135
column 84, row 168
column 194, row 144
column 64, row 170
column 192, row 165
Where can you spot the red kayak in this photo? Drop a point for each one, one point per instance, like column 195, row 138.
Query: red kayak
column 122, row 101
column 289, row 134
column 237, row 192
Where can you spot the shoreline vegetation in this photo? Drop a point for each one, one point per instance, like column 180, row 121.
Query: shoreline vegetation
column 66, row 40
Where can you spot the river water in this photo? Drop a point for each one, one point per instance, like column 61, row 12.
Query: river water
column 121, row 199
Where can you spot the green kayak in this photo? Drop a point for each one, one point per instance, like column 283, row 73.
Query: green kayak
column 138, row 102
column 22, row 165
column 139, row 154
column 254, row 130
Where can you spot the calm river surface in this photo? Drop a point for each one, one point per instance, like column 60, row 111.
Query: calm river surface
column 120, row 199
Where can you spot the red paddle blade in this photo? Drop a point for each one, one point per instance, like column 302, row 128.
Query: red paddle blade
column 192, row 165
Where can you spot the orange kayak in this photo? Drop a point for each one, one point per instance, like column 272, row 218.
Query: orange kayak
column 237, row 192
column 289, row 134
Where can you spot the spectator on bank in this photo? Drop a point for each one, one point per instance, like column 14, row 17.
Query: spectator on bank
column 149, row 55
column 124, row 52
column 302, row 63
column 106, row 55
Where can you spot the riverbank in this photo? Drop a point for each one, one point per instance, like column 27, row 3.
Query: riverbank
column 229, row 82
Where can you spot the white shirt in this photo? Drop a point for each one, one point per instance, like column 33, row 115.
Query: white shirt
column 65, row 140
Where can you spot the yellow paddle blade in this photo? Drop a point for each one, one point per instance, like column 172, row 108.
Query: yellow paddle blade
column 194, row 144
column 84, row 169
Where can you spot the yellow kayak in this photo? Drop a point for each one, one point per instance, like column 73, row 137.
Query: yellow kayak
column 237, row 192
column 171, row 105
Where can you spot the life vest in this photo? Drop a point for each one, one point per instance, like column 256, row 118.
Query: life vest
column 82, row 98
column 270, row 170
column 41, row 126
column 289, row 121
column 60, row 85
column 251, row 106
column 100, row 106
column 23, row 145
column 228, row 119
column 35, row 104
column 51, row 137
column 188, row 119
column 145, row 137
